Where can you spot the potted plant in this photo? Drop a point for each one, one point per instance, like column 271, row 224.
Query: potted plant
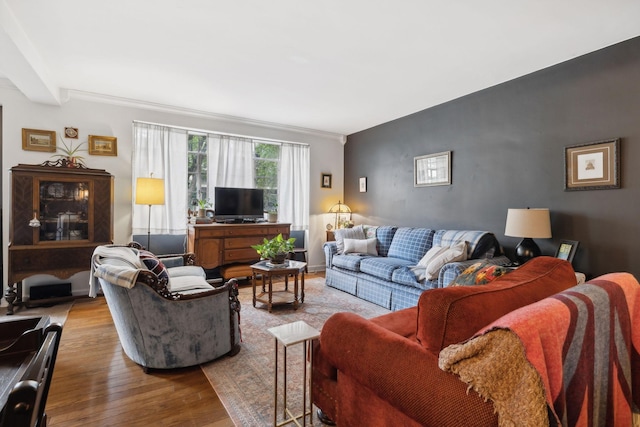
column 69, row 156
column 276, row 249
column 272, row 214
column 203, row 204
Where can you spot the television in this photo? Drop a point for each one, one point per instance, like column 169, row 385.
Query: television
column 238, row 204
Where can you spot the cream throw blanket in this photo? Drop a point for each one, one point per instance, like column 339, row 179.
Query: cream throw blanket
column 117, row 264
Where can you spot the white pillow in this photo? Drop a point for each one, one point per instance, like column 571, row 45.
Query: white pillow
column 185, row 283
column 455, row 253
column 361, row 246
column 348, row 233
column 431, row 254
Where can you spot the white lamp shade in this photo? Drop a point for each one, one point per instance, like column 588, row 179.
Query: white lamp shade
column 531, row 223
column 150, row 191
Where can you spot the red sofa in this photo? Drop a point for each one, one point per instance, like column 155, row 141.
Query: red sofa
column 384, row 371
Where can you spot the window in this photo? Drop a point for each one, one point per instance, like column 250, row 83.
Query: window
column 266, row 161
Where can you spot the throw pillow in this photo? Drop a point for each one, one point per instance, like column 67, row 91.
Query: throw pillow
column 431, row 254
column 348, row 233
column 455, row 253
column 360, row 246
column 480, row 273
column 154, row 264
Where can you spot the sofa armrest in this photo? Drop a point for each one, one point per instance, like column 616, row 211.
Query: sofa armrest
column 401, row 372
column 330, row 249
column 450, row 271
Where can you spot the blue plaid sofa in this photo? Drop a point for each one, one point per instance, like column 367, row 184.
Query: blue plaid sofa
column 389, row 279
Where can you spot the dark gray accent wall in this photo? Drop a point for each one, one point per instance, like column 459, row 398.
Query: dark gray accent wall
column 507, row 146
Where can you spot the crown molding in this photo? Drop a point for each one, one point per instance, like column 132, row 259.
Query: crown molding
column 68, row 94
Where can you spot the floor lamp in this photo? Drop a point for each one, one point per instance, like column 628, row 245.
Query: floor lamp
column 149, row 191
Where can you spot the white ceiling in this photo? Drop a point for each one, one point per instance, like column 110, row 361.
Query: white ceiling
column 337, row 66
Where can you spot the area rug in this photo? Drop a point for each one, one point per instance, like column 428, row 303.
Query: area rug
column 57, row 313
column 245, row 382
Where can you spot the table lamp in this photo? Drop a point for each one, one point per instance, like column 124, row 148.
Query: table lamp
column 339, row 208
column 528, row 224
column 149, row 191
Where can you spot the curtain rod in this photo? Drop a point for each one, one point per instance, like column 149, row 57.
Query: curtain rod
column 282, row 141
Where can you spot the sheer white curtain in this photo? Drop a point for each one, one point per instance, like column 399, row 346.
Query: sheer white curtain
column 293, row 186
column 230, row 162
column 162, row 151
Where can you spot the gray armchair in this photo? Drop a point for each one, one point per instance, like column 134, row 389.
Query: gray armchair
column 162, row 321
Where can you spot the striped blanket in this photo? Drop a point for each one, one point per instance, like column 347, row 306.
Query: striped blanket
column 576, row 353
column 117, row 264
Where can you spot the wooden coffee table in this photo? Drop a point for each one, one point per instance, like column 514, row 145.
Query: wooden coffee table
column 271, row 297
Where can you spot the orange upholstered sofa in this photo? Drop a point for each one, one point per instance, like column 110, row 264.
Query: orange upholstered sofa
column 384, row 371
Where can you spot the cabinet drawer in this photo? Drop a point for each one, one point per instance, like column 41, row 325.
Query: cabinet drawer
column 247, row 231
column 242, row 242
column 274, row 231
column 209, row 232
column 240, row 255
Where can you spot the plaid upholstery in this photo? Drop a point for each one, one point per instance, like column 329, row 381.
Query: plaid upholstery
column 343, row 280
column 348, row 262
column 384, row 235
column 404, row 276
column 404, row 296
column 382, row 267
column 330, row 249
column 411, row 243
column 377, row 292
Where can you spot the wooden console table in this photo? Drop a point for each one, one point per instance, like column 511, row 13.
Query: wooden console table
column 216, row 245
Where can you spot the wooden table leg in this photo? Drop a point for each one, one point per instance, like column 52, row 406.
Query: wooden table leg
column 253, row 285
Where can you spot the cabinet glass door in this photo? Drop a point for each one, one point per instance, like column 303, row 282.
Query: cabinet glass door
column 64, row 210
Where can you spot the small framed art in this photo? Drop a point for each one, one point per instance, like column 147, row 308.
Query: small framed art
column 592, row 166
column 325, row 180
column 432, row 169
column 38, row 140
column 103, row 145
column 567, row 250
column 363, row 184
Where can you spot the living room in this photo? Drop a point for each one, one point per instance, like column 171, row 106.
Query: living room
column 507, row 143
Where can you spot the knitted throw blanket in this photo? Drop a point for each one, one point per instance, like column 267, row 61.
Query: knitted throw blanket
column 575, row 352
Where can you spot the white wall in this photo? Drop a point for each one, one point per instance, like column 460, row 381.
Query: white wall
column 112, row 117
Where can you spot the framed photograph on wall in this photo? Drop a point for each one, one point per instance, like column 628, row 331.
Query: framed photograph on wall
column 567, row 250
column 432, row 169
column 325, row 180
column 103, row 145
column 592, row 166
column 363, row 184
column 38, row 140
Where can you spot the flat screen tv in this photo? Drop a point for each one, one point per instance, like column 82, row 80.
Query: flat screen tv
column 238, row 204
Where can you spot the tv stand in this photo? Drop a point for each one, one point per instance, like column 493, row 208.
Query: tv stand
column 219, row 244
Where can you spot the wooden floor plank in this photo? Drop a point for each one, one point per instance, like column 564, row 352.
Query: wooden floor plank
column 95, row 384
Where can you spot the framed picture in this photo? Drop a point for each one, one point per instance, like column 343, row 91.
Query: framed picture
column 592, row 166
column 363, row 184
column 432, row 169
column 325, row 180
column 103, row 145
column 567, row 250
column 70, row 132
column 38, row 140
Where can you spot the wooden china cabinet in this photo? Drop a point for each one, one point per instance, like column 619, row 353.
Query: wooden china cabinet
column 59, row 214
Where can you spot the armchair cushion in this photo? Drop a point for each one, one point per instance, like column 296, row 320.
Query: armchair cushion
column 154, row 264
column 188, row 283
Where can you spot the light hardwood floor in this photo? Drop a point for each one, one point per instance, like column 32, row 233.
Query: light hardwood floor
column 95, row 384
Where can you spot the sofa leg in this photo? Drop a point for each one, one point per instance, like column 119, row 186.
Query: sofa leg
column 324, row 419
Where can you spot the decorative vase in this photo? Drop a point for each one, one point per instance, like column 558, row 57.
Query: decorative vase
column 202, row 213
column 272, row 217
column 278, row 258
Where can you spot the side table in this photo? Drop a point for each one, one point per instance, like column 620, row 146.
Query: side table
column 288, row 335
column 268, row 271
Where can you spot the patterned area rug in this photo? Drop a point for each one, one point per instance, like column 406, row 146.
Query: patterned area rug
column 57, row 313
column 245, row 382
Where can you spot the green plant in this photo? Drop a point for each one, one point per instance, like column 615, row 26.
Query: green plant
column 203, row 203
column 69, row 152
column 275, row 247
column 273, row 209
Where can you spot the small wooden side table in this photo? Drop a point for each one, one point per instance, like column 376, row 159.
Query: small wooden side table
column 268, row 296
column 288, row 335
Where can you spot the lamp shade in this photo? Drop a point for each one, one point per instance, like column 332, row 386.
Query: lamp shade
column 340, row 208
column 531, row 223
column 150, row 191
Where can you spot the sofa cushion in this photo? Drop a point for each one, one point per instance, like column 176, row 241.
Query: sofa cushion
column 361, row 246
column 411, row 243
column 382, row 267
column 348, row 233
column 480, row 273
column 385, row 234
column 407, row 276
column 348, row 262
column 453, row 314
column 482, row 244
column 455, row 253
